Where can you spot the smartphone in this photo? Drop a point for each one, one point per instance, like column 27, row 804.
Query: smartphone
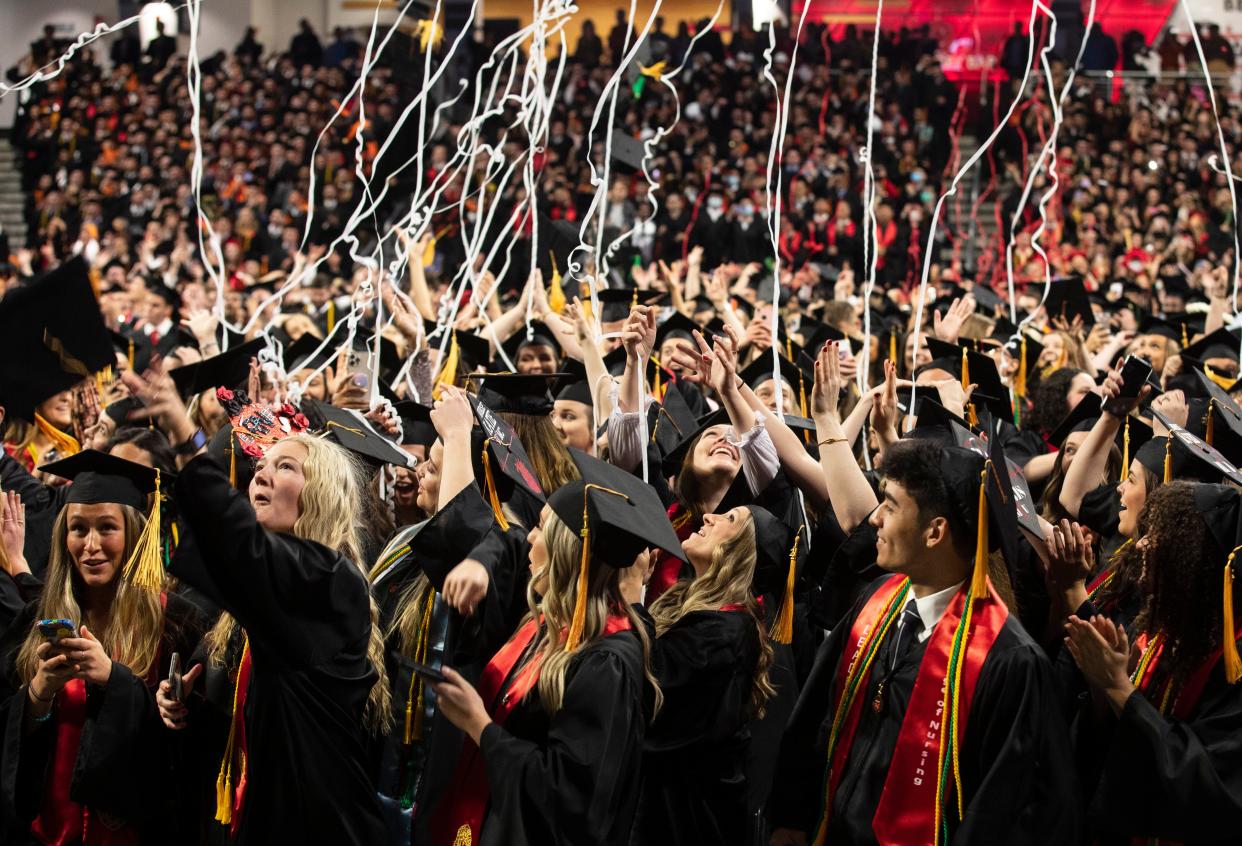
column 55, row 630
column 359, row 372
column 428, row 672
column 1134, row 374
column 174, row 676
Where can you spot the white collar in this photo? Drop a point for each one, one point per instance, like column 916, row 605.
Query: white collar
column 931, row 608
column 164, row 328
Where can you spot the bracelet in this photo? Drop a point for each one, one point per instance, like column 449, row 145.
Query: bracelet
column 36, row 697
column 831, row 441
column 44, row 718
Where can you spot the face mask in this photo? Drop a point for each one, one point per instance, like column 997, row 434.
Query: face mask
column 732, row 182
column 820, row 217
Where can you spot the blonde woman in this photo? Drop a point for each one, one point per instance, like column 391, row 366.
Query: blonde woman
column 81, row 746
column 711, row 657
column 282, row 563
column 559, row 716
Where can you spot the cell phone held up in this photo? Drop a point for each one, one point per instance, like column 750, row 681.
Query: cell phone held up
column 1135, row 372
column 55, row 630
column 428, row 672
column 174, row 676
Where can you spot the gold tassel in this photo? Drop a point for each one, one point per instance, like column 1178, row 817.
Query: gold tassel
column 429, row 252
column 224, row 781
column 1229, row 647
column 130, row 356
column 979, row 578
column 802, row 393
column 491, row 489
column 556, row 294
column 782, row 627
column 1019, row 385
column 1185, row 340
column 655, row 389
column 1125, row 450
column 232, row 462
column 331, row 314
column 1209, row 425
column 578, row 622
column 892, row 348
column 1224, row 382
column 965, row 370
column 144, row 568
column 1168, row 459
column 65, row 445
column 448, row 373
column 788, row 348
column 413, row 711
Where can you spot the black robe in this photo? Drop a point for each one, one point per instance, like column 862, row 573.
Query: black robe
column 306, row 610
column 1158, row 776
column 694, row 757
column 125, row 757
column 571, row 779
column 1017, row 775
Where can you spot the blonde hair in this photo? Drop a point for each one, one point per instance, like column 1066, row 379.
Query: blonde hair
column 557, row 607
column 548, row 456
column 727, row 581
column 135, row 621
column 329, row 498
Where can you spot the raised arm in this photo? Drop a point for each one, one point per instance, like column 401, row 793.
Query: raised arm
column 1091, row 462
column 850, row 494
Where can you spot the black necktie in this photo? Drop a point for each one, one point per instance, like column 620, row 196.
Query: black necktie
column 911, row 626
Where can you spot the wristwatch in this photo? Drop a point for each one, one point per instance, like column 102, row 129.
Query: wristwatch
column 192, row 445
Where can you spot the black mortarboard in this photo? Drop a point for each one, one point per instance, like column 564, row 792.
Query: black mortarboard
column 300, row 355
column 1024, row 347
column 475, row 350
column 52, row 336
column 991, row 391
column 760, row 371
column 557, row 241
column 642, row 59
column 985, row 297
column 1082, row 418
column 354, row 432
column 506, row 448
column 226, row 370
column 627, row 150
column 624, row 514
column 518, row 393
column 1220, row 344
column 615, row 303
column 826, row 333
column 1220, row 505
column 671, row 421
column 537, row 334
column 935, row 422
column 1189, row 458
column 98, row 477
column 676, row 326
column 573, row 386
column 416, row 427
column 671, row 464
column 961, row 470
column 1067, row 298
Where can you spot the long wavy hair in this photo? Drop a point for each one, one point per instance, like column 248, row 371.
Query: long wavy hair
column 1050, row 507
column 135, row 620
column 1181, row 578
column 691, row 492
column 727, row 581
column 548, row 456
column 557, row 607
column 329, row 499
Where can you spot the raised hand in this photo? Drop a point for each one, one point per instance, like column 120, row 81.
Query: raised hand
column 174, row 711
column 1071, row 558
column 949, row 327
column 826, row 390
column 638, row 334
column 13, row 533
column 465, row 586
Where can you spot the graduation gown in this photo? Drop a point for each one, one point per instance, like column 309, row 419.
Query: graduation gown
column 1176, row 778
column 571, row 779
column 1017, row 775
column 117, row 773
column 306, row 611
column 694, row 757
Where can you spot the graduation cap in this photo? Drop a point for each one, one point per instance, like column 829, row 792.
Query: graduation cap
column 671, row 421
column 628, row 150
column 573, row 385
column 617, row 516
column 1179, row 328
column 537, row 334
column 964, row 472
column 1220, row 506
column 615, row 303
column 777, row 548
column 972, row 368
column 986, row 298
column 1220, row 344
column 354, row 432
column 226, row 370
column 642, row 59
column 518, row 393
column 557, row 240
column 1067, row 298
column 936, row 423
column 825, row 333
column 503, row 446
column 1026, row 350
column 473, row 350
column 676, row 327
column 300, row 355
column 1130, row 438
column 98, row 478
column 1185, row 457
column 416, row 426
column 52, row 336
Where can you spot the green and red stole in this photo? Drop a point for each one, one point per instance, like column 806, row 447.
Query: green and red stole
column 459, row 818
column 924, row 769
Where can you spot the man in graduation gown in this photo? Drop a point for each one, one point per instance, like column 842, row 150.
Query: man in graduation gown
column 930, row 716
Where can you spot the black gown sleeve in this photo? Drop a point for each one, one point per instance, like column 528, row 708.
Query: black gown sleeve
column 447, row 538
column 575, row 780
column 1172, row 779
column 292, row 596
column 1100, row 510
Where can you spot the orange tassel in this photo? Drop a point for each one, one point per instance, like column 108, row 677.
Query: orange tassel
column 578, row 622
column 1232, row 661
column 979, row 578
column 782, row 627
column 1168, row 460
column 1209, row 425
column 491, row 490
column 1125, row 450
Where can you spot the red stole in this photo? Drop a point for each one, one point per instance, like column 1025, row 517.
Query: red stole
column 668, row 567
column 459, row 819
column 907, row 811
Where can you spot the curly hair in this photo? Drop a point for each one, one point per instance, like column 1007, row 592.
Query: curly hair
column 1181, row 578
column 1048, row 402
